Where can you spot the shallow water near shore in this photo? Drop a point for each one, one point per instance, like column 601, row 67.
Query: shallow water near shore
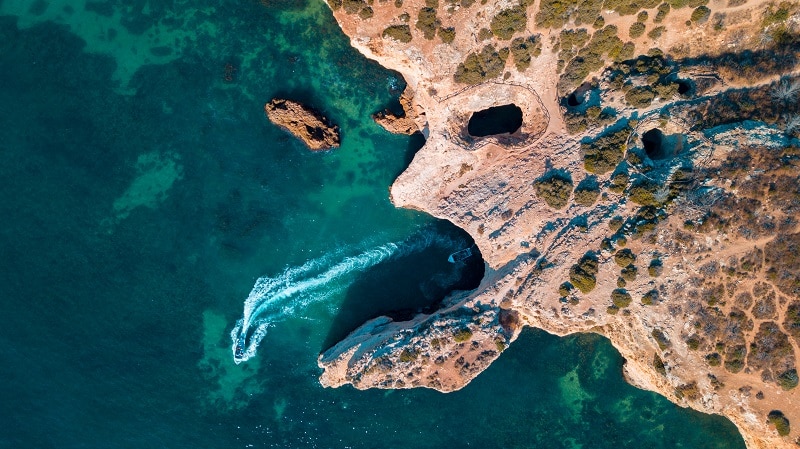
column 144, row 193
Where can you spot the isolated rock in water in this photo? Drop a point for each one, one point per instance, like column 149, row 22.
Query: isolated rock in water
column 396, row 124
column 304, row 123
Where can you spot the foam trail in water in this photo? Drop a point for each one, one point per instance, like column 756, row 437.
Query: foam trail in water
column 274, row 298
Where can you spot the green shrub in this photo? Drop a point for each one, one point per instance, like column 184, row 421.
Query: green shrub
column 658, row 364
column 640, row 96
column 642, row 16
column 655, row 268
column 781, row 423
column 663, row 10
column 366, row 13
column 582, row 274
column 616, row 223
column 636, row 30
column 688, row 391
column 650, row 298
column 626, row 52
column 624, row 257
column 479, row 67
column 629, row 273
column 586, row 195
column 677, row 4
column 604, row 42
column 462, row 335
column 788, row 379
column 353, row 6
column 656, row 32
column 573, row 39
column 645, row 193
column 509, row 21
column 600, row 22
column 661, row 339
column 400, row 33
column 565, row 288
column 484, row 34
column 714, row 359
column 447, row 35
column 604, row 153
column 427, row 22
column 693, row 342
column 618, row 182
column 779, row 15
column 621, row 298
column 554, row 188
column 621, row 283
column 700, row 14
column 523, row 49
column 734, row 358
column 408, row 356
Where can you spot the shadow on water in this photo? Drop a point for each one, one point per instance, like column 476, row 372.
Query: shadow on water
column 405, row 286
column 415, row 143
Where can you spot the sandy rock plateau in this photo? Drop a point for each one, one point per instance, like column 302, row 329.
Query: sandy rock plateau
column 651, row 194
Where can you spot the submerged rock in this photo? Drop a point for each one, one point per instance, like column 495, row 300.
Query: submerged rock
column 304, row 123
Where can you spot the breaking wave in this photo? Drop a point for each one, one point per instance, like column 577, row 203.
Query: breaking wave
column 273, row 299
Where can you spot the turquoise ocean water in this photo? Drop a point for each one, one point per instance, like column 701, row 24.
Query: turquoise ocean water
column 143, row 194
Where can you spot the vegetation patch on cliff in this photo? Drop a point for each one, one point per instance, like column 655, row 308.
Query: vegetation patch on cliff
column 481, row 66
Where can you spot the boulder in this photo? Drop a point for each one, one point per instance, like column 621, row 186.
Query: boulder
column 304, row 123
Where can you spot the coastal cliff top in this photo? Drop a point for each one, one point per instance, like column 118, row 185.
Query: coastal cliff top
column 642, row 183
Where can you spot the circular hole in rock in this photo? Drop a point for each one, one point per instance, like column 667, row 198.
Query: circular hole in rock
column 574, row 100
column 506, row 119
column 653, row 141
column 684, row 87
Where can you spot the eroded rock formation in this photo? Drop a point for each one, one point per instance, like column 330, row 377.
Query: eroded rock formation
column 677, row 248
column 400, row 124
column 304, row 123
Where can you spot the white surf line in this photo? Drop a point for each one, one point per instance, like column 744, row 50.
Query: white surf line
column 275, row 298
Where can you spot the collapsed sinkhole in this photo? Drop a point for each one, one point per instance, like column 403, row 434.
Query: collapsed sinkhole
column 505, row 119
column 684, row 87
column 660, row 146
column 574, row 100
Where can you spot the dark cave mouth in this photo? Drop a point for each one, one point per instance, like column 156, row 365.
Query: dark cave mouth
column 659, row 146
column 505, row 119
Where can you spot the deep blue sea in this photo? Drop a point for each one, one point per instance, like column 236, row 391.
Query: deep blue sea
column 143, row 194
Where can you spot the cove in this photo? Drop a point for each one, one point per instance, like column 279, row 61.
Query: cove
column 117, row 319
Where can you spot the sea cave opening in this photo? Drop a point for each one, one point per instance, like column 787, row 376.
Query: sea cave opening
column 505, row 119
column 684, row 87
column 652, row 141
column 574, row 100
column 659, row 146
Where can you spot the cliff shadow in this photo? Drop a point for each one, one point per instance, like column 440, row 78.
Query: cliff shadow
column 406, row 285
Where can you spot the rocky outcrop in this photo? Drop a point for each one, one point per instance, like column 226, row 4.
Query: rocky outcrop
column 698, row 314
column 304, row 123
column 400, row 124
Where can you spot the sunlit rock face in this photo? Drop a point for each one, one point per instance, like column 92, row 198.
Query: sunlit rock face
column 649, row 193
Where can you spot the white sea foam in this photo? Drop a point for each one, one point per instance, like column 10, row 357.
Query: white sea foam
column 275, row 298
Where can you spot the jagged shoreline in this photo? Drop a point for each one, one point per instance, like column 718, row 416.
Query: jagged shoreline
column 500, row 188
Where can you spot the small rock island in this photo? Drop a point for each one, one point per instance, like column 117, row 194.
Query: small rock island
column 305, row 123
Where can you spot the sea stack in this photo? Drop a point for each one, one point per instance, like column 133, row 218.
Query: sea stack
column 308, row 125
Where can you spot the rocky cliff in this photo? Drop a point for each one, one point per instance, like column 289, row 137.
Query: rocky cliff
column 650, row 194
column 303, row 122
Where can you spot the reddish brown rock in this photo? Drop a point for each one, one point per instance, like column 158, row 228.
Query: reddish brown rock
column 304, row 123
column 399, row 124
